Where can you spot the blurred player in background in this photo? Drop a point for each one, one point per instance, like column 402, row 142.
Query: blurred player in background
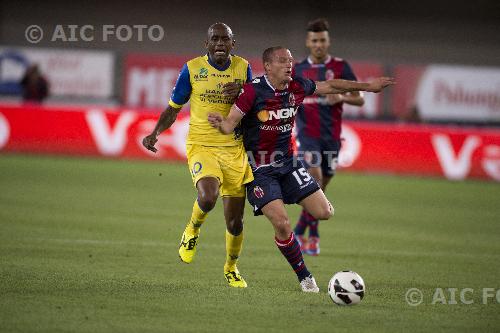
column 218, row 163
column 266, row 108
column 319, row 121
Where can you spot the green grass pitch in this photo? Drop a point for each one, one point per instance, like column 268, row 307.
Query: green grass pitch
column 90, row 245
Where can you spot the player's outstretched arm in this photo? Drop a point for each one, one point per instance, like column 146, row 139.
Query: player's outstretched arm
column 226, row 124
column 337, row 86
column 167, row 118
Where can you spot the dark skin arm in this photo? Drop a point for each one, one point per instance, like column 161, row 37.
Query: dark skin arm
column 167, row 118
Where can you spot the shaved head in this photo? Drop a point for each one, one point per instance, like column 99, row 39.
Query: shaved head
column 217, row 26
column 219, row 43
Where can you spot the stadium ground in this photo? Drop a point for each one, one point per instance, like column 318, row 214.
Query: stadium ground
column 91, row 246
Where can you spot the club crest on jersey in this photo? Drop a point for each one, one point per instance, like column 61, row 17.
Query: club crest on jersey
column 291, row 99
column 258, row 192
column 265, row 115
column 329, row 75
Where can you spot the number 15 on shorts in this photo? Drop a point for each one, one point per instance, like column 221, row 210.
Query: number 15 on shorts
column 301, row 176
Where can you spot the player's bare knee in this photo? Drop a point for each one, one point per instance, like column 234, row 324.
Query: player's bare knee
column 325, row 212
column 207, row 200
column 282, row 225
column 235, row 226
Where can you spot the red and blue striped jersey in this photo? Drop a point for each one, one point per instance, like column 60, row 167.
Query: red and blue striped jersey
column 317, row 119
column 269, row 116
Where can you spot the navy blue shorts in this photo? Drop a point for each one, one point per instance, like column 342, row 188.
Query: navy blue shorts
column 287, row 180
column 319, row 153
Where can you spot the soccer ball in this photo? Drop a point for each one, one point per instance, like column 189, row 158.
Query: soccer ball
column 346, row 288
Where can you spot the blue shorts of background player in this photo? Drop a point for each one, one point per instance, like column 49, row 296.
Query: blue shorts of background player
column 319, row 153
column 286, row 179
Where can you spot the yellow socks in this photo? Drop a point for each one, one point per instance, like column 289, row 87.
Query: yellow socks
column 197, row 218
column 233, row 250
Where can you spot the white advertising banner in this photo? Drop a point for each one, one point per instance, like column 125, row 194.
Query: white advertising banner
column 459, row 93
column 69, row 72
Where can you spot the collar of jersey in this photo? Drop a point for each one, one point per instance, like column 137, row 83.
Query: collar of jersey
column 219, row 68
column 270, row 85
column 328, row 59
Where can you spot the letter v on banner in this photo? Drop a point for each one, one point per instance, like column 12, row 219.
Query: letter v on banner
column 109, row 141
column 455, row 167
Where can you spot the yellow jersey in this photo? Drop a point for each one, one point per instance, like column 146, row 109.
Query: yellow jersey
column 201, row 82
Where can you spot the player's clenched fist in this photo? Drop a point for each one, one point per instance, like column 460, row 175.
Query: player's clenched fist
column 215, row 119
column 149, row 142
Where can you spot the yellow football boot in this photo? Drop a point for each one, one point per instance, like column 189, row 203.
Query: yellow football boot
column 234, row 278
column 187, row 247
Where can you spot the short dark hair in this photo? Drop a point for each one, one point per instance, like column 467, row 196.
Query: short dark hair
column 269, row 52
column 318, row 25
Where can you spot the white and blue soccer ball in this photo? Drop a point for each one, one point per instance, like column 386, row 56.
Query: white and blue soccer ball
column 346, row 288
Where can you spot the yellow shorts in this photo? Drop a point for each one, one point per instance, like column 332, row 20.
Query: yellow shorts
column 228, row 164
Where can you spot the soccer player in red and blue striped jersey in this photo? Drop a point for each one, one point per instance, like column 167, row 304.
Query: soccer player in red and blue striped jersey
column 266, row 109
column 319, row 121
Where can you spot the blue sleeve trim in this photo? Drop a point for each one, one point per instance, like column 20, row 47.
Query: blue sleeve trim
column 308, row 85
column 182, row 89
column 347, row 73
column 249, row 73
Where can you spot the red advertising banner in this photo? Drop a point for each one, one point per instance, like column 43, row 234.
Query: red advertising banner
column 89, row 132
column 452, row 152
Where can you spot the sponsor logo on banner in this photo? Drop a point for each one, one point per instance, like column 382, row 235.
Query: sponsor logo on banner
column 457, row 165
column 150, row 79
column 70, row 73
column 459, row 93
column 110, row 141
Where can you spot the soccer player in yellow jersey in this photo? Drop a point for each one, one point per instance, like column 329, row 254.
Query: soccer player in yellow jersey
column 218, row 162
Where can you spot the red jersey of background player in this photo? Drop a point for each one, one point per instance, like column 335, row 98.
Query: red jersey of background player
column 317, row 119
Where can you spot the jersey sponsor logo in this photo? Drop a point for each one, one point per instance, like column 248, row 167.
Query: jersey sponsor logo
column 258, row 192
column 202, row 75
column 221, row 75
column 321, row 100
column 265, row 115
column 281, row 128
